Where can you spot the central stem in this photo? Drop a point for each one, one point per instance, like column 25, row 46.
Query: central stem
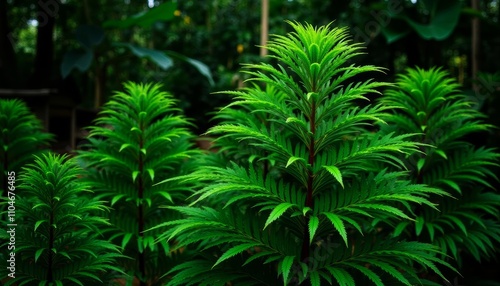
column 51, row 246
column 305, row 254
column 142, row 263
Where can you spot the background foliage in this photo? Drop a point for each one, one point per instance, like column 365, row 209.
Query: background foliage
column 223, row 34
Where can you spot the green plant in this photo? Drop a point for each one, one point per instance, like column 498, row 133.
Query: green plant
column 429, row 102
column 139, row 139
column 56, row 238
column 22, row 137
column 312, row 220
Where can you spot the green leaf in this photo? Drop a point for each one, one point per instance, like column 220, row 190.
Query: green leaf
column 398, row 29
column 125, row 145
column 234, row 250
column 126, row 239
column 451, row 184
column 315, row 279
column 202, row 68
column 370, row 274
column 442, row 24
column 343, row 277
column 80, row 60
column 313, row 226
column 420, row 164
column 167, row 196
column 163, row 12
column 306, row 210
column 400, row 228
column 338, row 224
column 291, row 160
column 286, row 266
column 336, row 174
column 419, row 224
column 441, row 153
column 38, row 253
column 89, row 35
column 151, row 173
column 117, row 198
column 38, row 223
column 156, row 56
column 134, row 175
column 277, row 212
column 422, row 116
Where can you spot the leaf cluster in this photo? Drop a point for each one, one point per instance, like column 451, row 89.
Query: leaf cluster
column 58, row 240
column 21, row 137
column 429, row 102
column 139, row 139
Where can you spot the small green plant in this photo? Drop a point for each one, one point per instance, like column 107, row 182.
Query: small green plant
column 57, row 238
column 139, row 139
column 299, row 204
column 21, row 137
column 429, row 102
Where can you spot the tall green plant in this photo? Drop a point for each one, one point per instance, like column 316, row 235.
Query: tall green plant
column 429, row 102
column 139, row 139
column 22, row 136
column 310, row 222
column 57, row 239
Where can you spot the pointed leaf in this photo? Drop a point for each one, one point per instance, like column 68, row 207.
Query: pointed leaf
column 441, row 153
column 291, row 160
column 339, row 225
column 125, row 145
column 420, row 164
column 126, row 239
column 38, row 253
column 277, row 212
column 234, row 250
column 313, row 226
column 286, row 266
column 38, row 223
column 336, row 174
column 151, row 173
column 452, row 185
column 419, row 224
column 157, row 57
column 134, row 175
column 315, row 279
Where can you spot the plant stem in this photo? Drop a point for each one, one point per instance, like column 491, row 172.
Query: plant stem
column 51, row 245
column 309, row 198
column 142, row 266
column 3, row 177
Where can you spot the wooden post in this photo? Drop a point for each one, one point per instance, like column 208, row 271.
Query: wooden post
column 264, row 27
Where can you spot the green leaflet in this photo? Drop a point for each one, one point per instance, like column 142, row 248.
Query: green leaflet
column 277, row 212
column 335, row 173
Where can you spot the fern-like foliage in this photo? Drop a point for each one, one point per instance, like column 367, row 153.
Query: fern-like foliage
column 57, row 238
column 21, row 137
column 139, row 139
column 429, row 102
column 309, row 222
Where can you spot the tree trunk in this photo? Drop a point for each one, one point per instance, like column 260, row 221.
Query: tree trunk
column 7, row 55
column 44, row 48
column 264, row 27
